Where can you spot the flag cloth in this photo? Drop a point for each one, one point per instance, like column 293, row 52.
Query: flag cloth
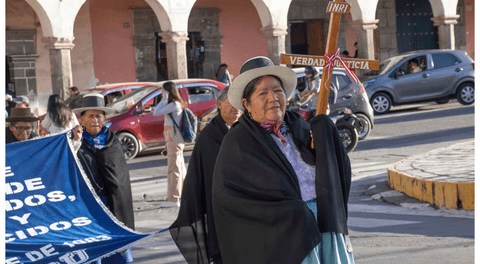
column 52, row 212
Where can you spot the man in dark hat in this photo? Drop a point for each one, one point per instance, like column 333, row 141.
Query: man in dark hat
column 102, row 158
column 20, row 126
column 194, row 230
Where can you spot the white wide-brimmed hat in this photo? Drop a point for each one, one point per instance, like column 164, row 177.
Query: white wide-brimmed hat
column 93, row 101
column 256, row 67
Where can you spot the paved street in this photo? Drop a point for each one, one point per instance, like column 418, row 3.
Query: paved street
column 400, row 230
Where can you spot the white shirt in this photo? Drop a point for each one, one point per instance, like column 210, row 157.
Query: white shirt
column 175, row 108
column 51, row 127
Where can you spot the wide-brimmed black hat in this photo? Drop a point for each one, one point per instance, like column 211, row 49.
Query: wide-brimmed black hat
column 256, row 67
column 93, row 101
column 21, row 115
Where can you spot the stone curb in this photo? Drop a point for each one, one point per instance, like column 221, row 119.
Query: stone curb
column 451, row 195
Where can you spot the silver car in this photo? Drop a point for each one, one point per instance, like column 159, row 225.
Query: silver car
column 350, row 95
column 421, row 76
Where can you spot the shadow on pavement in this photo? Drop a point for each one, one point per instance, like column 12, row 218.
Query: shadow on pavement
column 417, row 115
column 419, row 139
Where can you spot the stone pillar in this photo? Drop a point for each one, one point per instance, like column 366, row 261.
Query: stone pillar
column 213, row 48
column 60, row 64
column 206, row 21
column 145, row 57
column 176, row 54
column 366, row 40
column 446, row 32
column 276, row 42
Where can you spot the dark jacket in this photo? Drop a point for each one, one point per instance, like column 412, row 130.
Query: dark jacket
column 259, row 213
column 194, row 230
column 10, row 138
column 74, row 101
column 107, row 171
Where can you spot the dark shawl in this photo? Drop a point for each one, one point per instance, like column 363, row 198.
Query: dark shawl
column 259, row 212
column 107, row 171
column 194, row 230
column 10, row 137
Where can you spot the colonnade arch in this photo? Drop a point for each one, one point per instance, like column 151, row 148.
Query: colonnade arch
column 57, row 24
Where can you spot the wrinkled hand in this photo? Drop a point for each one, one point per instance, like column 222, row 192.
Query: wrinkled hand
column 77, row 133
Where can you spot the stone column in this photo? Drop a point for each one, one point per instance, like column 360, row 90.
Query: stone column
column 276, row 42
column 176, row 53
column 446, row 32
column 213, row 48
column 366, row 40
column 60, row 64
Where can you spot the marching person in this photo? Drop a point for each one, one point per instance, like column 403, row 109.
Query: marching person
column 60, row 118
column 20, row 127
column 102, row 158
column 171, row 106
column 194, row 230
column 275, row 199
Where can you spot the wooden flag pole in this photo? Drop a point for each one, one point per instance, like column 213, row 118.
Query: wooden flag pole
column 332, row 38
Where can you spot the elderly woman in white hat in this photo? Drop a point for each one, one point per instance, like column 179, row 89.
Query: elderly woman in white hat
column 275, row 199
column 102, row 158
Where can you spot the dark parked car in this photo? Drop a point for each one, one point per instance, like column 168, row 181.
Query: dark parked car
column 136, row 126
column 421, row 76
column 350, row 95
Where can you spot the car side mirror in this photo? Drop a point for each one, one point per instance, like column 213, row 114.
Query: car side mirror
column 147, row 109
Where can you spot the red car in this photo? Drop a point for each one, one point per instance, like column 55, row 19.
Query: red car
column 134, row 123
column 109, row 91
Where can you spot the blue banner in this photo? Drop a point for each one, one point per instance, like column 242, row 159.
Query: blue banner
column 52, row 213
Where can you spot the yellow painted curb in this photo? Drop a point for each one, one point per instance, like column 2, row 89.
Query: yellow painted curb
column 451, row 195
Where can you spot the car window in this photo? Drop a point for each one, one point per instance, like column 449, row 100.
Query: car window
column 413, row 65
column 131, row 99
column 341, row 80
column 200, row 94
column 442, row 60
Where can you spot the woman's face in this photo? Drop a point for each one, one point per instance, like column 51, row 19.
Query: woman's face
column 268, row 101
column 93, row 121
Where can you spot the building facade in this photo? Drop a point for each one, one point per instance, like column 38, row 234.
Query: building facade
column 83, row 43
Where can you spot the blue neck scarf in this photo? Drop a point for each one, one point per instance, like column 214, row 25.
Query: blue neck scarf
column 98, row 140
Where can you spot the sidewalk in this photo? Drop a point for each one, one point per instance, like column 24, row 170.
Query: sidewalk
column 444, row 177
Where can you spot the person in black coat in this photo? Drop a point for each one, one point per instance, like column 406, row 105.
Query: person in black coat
column 275, row 199
column 102, row 158
column 194, row 230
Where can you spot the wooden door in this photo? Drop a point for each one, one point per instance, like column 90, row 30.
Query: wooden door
column 316, row 43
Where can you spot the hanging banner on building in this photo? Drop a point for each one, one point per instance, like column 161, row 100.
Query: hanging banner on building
column 52, row 213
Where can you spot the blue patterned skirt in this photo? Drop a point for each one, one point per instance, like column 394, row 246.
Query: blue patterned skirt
column 333, row 247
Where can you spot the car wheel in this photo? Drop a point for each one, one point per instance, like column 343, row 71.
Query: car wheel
column 466, row 93
column 130, row 145
column 381, row 103
column 363, row 125
column 444, row 101
column 348, row 134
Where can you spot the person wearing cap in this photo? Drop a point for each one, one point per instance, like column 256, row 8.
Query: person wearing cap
column 102, row 158
column 20, row 127
column 21, row 101
column 194, row 229
column 275, row 199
